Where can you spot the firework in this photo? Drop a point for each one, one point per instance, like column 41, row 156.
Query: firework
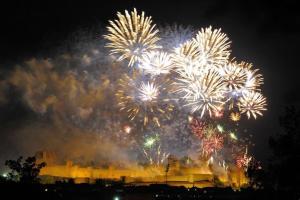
column 233, row 136
column 224, row 165
column 235, row 116
column 210, row 130
column 193, row 73
column 254, row 79
column 205, row 94
column 156, row 63
column 219, row 113
column 243, row 161
column 220, row 128
column 127, row 129
column 212, row 144
column 155, row 156
column 214, row 47
column 198, row 127
column 131, row 35
column 189, row 49
column 190, row 118
column 148, row 92
column 150, row 141
column 234, row 76
column 252, row 103
column 144, row 99
column 186, row 60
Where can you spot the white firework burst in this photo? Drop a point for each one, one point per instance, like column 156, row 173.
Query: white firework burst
column 254, row 79
column 148, row 92
column 234, row 76
column 144, row 99
column 186, row 59
column 206, row 94
column 214, row 47
column 252, row 103
column 156, row 63
column 131, row 35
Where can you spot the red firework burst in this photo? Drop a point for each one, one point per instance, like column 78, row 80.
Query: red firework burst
column 242, row 161
column 198, row 127
column 212, row 144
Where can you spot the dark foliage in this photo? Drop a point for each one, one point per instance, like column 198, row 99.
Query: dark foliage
column 24, row 172
column 285, row 162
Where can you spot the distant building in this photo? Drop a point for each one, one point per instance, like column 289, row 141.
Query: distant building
column 48, row 157
column 174, row 164
column 137, row 175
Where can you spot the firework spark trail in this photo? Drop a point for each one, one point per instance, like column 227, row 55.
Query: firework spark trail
column 155, row 156
column 153, row 152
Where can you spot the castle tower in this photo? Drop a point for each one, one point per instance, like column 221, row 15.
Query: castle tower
column 174, row 164
column 46, row 156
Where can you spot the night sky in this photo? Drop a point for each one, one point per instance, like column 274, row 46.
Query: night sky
column 264, row 33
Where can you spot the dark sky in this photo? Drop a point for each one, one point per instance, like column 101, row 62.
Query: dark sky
column 264, row 33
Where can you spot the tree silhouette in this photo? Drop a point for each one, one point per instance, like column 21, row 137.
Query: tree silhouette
column 285, row 162
column 24, row 172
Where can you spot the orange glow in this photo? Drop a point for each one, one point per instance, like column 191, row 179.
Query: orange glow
column 201, row 176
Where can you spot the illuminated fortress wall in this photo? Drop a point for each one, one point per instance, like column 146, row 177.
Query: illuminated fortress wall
column 138, row 175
